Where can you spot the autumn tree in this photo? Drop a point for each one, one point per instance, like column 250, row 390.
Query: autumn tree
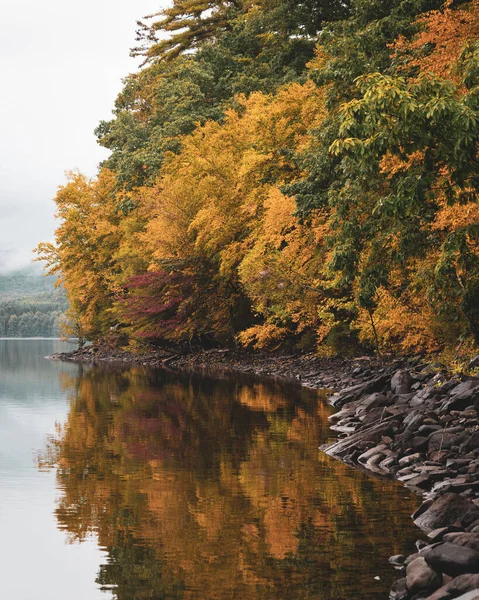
column 209, row 206
column 85, row 244
column 407, row 149
column 192, row 23
column 285, row 171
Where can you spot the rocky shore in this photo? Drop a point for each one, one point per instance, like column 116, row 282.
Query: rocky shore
column 304, row 368
column 420, row 425
column 408, row 420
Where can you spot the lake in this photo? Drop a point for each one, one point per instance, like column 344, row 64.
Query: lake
column 131, row 483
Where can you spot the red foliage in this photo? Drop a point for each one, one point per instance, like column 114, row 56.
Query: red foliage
column 161, row 305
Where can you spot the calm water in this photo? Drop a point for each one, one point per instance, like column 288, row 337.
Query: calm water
column 133, row 484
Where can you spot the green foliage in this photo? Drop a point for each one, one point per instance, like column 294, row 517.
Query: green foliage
column 194, row 22
column 156, row 108
column 168, row 99
column 425, row 134
column 350, row 48
column 30, row 306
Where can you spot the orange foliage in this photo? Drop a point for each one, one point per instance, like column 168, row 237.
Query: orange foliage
column 443, row 35
column 403, row 325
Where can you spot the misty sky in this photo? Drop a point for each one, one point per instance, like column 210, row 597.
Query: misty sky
column 61, row 69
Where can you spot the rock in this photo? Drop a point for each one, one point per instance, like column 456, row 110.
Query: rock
column 427, row 429
column 418, row 443
column 410, row 459
column 373, row 463
column 401, row 382
column 453, row 589
column 462, row 395
column 367, row 435
column 473, row 526
column 441, row 440
column 413, row 420
column 410, row 558
column 422, row 509
column 456, row 464
column 399, row 590
column 388, row 463
column 452, row 559
column 466, row 389
column 374, row 401
column 438, row 534
column 472, row 443
column 422, row 482
column 373, row 415
column 421, row 577
column 447, row 510
column 439, row 456
column 397, row 560
column 467, row 540
column 365, row 456
column 356, row 391
column 421, row 544
column 474, row 595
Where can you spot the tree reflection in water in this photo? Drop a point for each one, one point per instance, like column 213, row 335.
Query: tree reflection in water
column 213, row 488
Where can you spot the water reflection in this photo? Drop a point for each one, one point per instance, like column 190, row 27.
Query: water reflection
column 34, row 560
column 214, row 489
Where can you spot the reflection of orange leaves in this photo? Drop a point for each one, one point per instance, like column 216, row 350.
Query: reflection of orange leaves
column 303, row 428
column 260, row 398
column 281, row 522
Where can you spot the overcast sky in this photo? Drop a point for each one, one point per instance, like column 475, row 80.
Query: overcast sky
column 61, row 68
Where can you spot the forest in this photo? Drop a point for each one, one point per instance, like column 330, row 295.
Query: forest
column 285, row 173
column 30, row 306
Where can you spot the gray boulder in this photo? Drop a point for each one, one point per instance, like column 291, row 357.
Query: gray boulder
column 447, row 510
column 420, row 577
column 399, row 590
column 467, row 540
column 472, row 442
column 441, row 440
column 453, row 589
column 452, row 559
column 466, row 389
column 401, row 382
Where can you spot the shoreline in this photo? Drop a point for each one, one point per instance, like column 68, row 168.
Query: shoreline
column 407, row 420
column 305, row 369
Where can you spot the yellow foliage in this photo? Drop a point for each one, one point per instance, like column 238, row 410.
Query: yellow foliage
column 218, row 203
column 262, row 336
column 92, row 254
column 402, row 325
column 451, row 218
column 282, row 269
column 390, row 165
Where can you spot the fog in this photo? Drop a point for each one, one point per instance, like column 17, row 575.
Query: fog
column 62, row 64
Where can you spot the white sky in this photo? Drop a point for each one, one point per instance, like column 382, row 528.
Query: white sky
column 62, row 63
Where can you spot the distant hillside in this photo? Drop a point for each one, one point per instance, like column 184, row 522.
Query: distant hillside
column 30, row 305
column 28, row 281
